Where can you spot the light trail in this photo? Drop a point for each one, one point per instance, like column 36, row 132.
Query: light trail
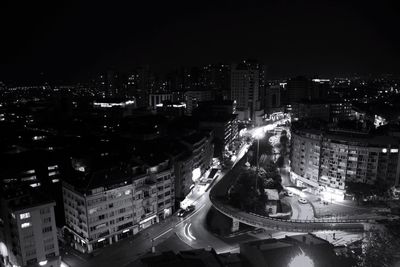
column 185, row 232
column 190, row 233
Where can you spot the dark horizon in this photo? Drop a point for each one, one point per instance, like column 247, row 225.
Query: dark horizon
column 72, row 41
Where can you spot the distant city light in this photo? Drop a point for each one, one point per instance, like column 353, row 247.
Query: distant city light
column 110, row 105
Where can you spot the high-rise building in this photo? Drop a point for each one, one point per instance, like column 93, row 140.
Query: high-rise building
column 192, row 99
column 140, row 84
column 109, row 84
column 28, row 233
column 245, row 88
column 271, row 98
column 216, row 77
column 159, row 98
column 301, row 88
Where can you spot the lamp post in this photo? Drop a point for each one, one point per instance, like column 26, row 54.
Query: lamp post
column 258, row 135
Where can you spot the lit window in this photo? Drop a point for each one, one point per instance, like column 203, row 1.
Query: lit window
column 394, row 150
column 25, row 225
column 52, row 167
column 34, row 185
column 25, row 215
column 127, row 192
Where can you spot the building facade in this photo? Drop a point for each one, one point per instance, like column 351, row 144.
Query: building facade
column 117, row 206
column 193, row 97
column 202, row 150
column 325, row 161
column 28, row 234
column 245, row 88
column 225, row 130
column 155, row 99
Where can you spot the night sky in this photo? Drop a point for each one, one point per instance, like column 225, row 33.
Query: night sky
column 67, row 40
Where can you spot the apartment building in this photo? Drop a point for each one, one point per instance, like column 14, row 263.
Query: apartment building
column 106, row 206
column 28, row 233
column 326, row 161
column 202, row 150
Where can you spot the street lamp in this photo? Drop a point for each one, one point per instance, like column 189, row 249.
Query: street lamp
column 258, row 134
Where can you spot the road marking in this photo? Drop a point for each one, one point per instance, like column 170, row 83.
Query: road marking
column 170, row 229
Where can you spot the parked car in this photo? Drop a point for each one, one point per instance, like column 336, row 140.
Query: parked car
column 303, row 201
column 184, row 212
column 289, row 193
column 190, row 208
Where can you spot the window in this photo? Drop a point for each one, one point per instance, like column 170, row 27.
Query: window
column 47, row 220
column 25, row 215
column 47, row 229
column 45, row 210
column 30, row 252
column 26, row 225
column 50, row 255
column 49, row 246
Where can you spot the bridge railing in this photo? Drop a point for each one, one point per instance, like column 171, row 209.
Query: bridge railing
column 287, row 224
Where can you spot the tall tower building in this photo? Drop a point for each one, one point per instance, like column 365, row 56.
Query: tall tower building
column 245, row 88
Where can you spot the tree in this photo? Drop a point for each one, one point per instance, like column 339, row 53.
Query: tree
column 243, row 194
column 381, row 249
column 280, row 162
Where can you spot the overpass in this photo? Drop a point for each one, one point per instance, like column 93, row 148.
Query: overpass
column 290, row 225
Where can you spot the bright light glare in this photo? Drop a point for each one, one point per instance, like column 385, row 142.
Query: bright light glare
column 43, row 263
column 196, row 173
column 301, row 260
column 258, row 133
column 328, row 196
column 3, row 250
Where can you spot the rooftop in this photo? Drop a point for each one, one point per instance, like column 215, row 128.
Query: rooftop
column 21, row 197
